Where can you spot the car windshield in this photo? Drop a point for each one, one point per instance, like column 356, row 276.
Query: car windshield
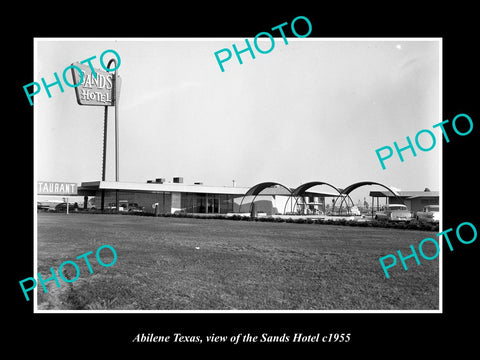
column 433, row 208
column 398, row 207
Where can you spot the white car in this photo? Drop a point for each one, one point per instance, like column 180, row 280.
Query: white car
column 394, row 212
column 354, row 210
column 430, row 213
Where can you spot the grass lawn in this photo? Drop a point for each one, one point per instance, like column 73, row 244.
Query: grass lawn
column 196, row 264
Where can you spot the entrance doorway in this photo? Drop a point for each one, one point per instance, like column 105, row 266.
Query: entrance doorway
column 213, row 204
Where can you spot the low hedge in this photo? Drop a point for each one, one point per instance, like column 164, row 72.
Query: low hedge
column 412, row 225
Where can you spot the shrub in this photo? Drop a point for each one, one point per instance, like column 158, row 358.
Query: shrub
column 412, row 225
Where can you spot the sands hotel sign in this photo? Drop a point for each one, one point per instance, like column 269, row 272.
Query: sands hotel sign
column 95, row 89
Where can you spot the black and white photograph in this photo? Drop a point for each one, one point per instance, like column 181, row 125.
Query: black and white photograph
column 275, row 187
column 253, row 188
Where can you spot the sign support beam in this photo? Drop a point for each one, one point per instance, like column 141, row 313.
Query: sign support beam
column 115, row 102
column 104, row 158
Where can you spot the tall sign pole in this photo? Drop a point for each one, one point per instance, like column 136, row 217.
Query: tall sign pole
column 117, row 147
column 115, row 101
column 104, row 156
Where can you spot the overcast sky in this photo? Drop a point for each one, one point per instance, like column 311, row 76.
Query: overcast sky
column 315, row 109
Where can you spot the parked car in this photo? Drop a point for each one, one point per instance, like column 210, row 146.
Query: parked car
column 134, row 208
column 430, row 213
column 355, row 211
column 394, row 212
column 124, row 206
column 62, row 207
column 42, row 206
column 111, row 207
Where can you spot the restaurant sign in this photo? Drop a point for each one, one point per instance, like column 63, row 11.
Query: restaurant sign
column 56, row 188
column 94, row 89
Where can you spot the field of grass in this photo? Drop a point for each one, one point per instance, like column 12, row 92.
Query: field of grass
column 210, row 264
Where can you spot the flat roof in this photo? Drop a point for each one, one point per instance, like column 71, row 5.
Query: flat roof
column 180, row 187
column 170, row 187
column 405, row 194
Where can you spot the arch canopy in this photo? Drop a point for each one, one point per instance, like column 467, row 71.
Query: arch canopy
column 257, row 189
column 299, row 191
column 354, row 186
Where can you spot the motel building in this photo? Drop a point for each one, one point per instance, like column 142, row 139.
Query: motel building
column 263, row 199
column 157, row 196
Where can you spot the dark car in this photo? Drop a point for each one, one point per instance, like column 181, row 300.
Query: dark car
column 62, row 207
column 134, row 208
column 42, row 207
